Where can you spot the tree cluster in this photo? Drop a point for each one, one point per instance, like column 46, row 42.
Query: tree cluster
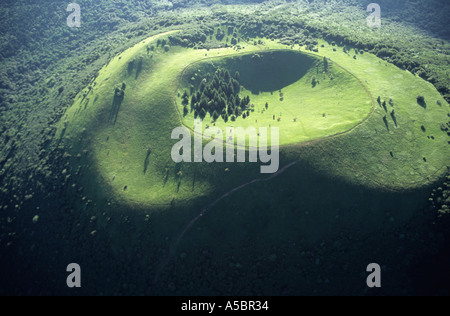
column 218, row 96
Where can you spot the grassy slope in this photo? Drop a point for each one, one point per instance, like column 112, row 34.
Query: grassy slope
column 148, row 117
column 364, row 156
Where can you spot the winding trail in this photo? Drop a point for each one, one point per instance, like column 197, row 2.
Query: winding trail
column 203, row 212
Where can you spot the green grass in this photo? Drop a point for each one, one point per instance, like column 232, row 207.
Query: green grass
column 359, row 152
column 335, row 105
column 364, row 155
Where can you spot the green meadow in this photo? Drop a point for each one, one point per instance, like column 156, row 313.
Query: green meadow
column 337, row 125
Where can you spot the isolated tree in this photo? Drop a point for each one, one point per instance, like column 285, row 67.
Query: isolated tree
column 267, row 105
column 420, row 99
column 166, row 48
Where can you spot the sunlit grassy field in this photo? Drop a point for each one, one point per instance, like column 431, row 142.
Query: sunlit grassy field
column 130, row 146
column 336, row 103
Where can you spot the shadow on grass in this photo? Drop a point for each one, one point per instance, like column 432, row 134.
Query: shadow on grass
column 386, row 123
column 422, row 102
column 194, row 179
column 147, row 160
column 179, row 185
column 166, row 178
column 394, row 118
column 63, row 132
column 115, row 108
column 139, row 68
column 130, row 67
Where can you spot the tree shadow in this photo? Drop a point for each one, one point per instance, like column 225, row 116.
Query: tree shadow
column 63, row 132
column 139, row 68
column 386, row 123
column 421, row 101
column 86, row 103
column 179, row 185
column 147, row 160
column 166, row 178
column 194, row 179
column 130, row 67
column 115, row 108
column 394, row 118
